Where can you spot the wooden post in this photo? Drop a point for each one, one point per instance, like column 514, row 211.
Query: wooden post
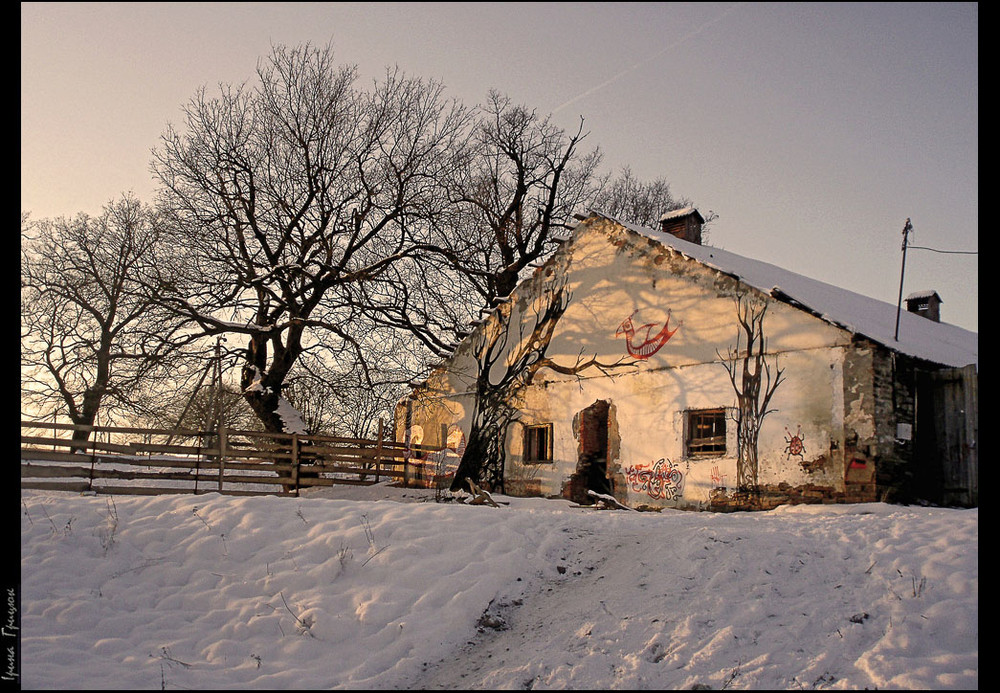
column 295, row 463
column 197, row 465
column 223, row 437
column 407, row 425
column 378, row 448
column 93, row 462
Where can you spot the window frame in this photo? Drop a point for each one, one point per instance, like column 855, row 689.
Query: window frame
column 706, row 446
column 531, row 444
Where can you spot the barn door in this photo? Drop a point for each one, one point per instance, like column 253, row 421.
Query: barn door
column 946, row 454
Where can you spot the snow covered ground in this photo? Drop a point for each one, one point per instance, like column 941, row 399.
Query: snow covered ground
column 382, row 588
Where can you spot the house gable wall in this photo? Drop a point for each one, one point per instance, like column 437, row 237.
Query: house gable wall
column 826, row 412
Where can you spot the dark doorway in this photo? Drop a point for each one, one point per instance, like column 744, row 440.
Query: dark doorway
column 592, row 461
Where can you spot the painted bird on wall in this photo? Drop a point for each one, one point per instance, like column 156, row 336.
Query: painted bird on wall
column 646, row 345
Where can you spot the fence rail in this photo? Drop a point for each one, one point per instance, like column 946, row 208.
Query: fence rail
column 144, row 461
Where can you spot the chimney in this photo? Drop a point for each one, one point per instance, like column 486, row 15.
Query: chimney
column 684, row 224
column 926, row 304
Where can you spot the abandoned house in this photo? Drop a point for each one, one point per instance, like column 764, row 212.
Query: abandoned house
column 640, row 364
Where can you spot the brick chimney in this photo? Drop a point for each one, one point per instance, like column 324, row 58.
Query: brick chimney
column 684, row 224
column 926, row 304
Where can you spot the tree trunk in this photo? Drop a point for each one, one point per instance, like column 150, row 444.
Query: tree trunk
column 80, row 436
column 86, row 416
column 483, row 459
column 262, row 382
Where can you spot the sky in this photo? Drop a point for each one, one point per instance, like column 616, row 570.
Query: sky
column 379, row 588
column 813, row 130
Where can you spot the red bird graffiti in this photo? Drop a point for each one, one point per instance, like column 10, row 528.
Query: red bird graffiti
column 646, row 346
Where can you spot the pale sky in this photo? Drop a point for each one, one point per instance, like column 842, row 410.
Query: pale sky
column 813, row 130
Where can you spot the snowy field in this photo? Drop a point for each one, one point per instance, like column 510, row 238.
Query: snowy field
column 382, row 588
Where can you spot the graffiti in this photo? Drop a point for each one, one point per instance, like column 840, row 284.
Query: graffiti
column 662, row 480
column 718, row 478
column 754, row 380
column 796, row 446
column 645, row 346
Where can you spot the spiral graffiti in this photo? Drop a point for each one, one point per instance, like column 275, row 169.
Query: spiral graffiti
column 662, row 480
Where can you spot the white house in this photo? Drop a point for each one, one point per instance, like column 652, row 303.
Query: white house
column 668, row 413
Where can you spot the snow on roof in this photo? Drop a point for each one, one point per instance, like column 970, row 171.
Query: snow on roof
column 683, row 212
column 918, row 337
column 916, row 295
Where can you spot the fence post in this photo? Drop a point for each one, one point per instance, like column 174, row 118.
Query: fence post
column 378, row 448
column 295, row 463
column 197, row 465
column 93, row 455
column 223, row 436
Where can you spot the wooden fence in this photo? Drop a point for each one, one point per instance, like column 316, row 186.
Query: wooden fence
column 153, row 461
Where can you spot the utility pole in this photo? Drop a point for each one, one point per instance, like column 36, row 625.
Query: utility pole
column 899, row 303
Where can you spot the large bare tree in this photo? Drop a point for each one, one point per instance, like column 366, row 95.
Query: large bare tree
column 287, row 192
column 93, row 335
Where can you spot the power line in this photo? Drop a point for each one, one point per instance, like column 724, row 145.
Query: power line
column 907, row 230
column 951, row 252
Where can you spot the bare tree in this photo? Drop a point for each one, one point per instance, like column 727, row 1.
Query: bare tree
column 516, row 194
column 309, row 213
column 511, row 198
column 754, row 380
column 286, row 193
column 205, row 409
column 513, row 202
column 93, row 336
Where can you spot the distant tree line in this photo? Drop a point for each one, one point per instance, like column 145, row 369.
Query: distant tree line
column 325, row 240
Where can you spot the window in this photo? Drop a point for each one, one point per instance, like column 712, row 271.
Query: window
column 706, row 433
column 538, row 443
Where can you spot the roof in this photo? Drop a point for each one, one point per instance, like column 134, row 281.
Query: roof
column 875, row 320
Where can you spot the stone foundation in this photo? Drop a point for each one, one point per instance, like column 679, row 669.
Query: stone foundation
column 772, row 496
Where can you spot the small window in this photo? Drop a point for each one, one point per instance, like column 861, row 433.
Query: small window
column 706, row 433
column 538, row 443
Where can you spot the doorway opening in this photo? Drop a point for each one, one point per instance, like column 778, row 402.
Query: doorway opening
column 593, row 453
